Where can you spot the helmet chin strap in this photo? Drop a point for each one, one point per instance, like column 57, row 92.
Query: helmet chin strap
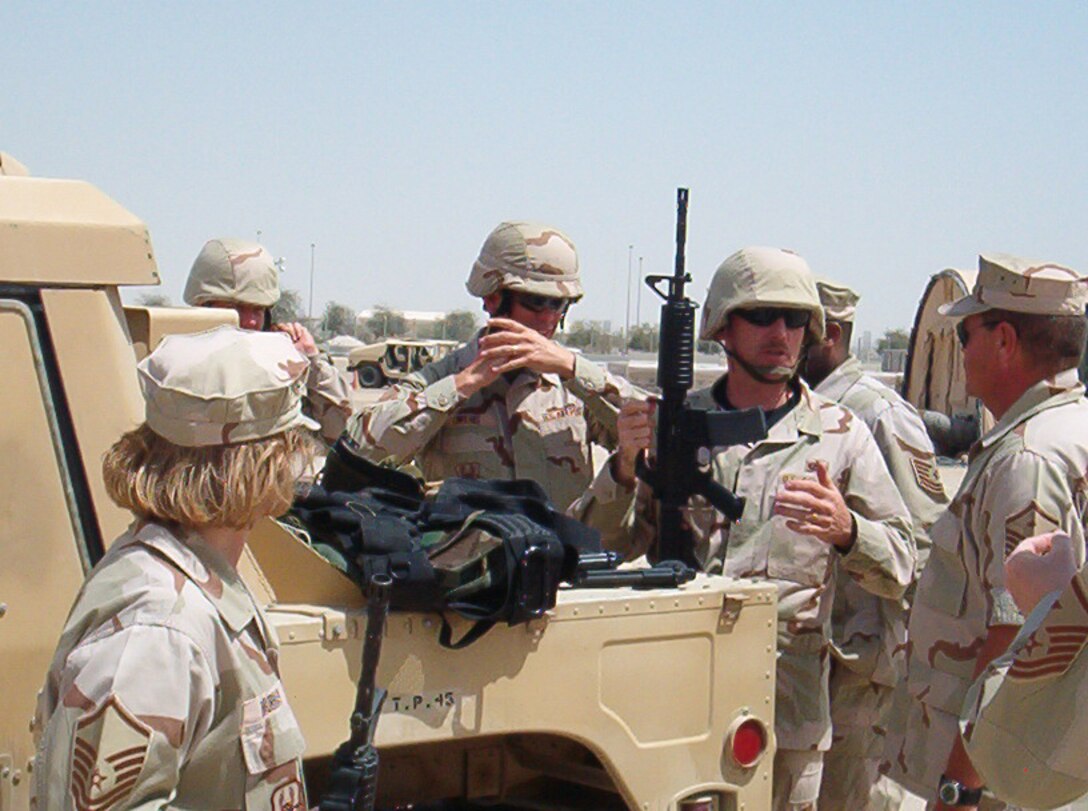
column 767, row 374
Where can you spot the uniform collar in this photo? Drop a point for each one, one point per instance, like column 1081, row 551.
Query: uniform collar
column 208, row 570
column 804, row 418
column 841, row 379
column 1064, row 387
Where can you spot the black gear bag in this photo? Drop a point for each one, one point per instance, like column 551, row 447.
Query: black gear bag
column 489, row 550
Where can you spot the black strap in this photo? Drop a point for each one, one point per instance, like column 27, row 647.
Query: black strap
column 478, row 629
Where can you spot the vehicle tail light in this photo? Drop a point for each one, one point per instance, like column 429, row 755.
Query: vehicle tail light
column 747, row 743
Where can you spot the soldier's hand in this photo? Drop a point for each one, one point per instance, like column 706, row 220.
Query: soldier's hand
column 481, row 372
column 816, row 508
column 1038, row 566
column 515, row 346
column 635, row 429
column 300, row 337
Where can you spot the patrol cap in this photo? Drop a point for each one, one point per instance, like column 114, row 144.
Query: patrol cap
column 527, row 257
column 839, row 301
column 223, row 386
column 1007, row 282
column 233, row 270
column 761, row 277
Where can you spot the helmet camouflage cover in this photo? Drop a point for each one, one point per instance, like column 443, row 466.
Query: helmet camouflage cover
column 233, row 270
column 761, row 277
column 526, row 257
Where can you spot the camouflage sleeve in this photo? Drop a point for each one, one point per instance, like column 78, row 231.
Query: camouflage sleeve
column 883, row 557
column 1023, row 494
column 328, row 398
column 619, row 513
column 1024, row 721
column 131, row 705
column 908, row 453
column 410, row 414
column 603, row 393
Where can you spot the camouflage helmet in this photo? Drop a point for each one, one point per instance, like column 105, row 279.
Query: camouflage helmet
column 233, row 270
column 527, row 257
column 761, row 277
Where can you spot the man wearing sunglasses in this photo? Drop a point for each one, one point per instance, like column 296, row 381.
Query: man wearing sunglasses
column 511, row 403
column 818, row 497
column 869, row 633
column 1023, row 331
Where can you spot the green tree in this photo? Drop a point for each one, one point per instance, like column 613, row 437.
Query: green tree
column 339, row 319
column 386, row 322
column 154, row 300
column 458, row 325
column 643, row 338
column 893, row 339
column 289, row 308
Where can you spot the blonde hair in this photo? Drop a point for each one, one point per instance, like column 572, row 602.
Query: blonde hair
column 213, row 486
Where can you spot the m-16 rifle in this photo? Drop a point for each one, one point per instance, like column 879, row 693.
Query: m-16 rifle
column 353, row 782
column 685, row 435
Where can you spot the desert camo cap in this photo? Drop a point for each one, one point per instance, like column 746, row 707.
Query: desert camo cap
column 527, row 257
column 233, row 270
column 223, row 386
column 1007, row 282
column 761, row 277
column 840, row 302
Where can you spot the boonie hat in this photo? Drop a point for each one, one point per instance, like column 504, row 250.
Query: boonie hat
column 840, row 302
column 1020, row 285
column 233, row 270
column 761, row 277
column 526, row 257
column 223, row 386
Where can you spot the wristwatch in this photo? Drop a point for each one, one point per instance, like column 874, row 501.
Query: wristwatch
column 953, row 793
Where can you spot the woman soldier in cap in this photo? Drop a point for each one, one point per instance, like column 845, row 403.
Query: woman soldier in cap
column 164, row 689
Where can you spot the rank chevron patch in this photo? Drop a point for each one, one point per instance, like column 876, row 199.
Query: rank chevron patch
column 110, row 750
column 1055, row 644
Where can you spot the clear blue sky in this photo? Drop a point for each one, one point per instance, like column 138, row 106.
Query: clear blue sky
column 882, row 141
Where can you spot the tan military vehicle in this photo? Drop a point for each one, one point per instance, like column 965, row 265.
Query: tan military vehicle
column 934, row 381
column 376, row 365
column 649, row 700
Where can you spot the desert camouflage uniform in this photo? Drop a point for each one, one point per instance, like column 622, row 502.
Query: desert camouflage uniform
column 1026, row 719
column 1027, row 476
column 117, row 728
column 869, row 633
column 528, row 426
column 760, row 546
column 328, row 398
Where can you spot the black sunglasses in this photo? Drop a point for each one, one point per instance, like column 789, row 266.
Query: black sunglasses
column 965, row 336
column 765, row 316
column 539, row 304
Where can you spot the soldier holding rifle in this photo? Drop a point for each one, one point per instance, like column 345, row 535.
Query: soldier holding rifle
column 816, row 492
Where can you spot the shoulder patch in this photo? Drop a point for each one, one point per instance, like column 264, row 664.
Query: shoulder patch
column 923, row 465
column 110, row 750
column 1059, row 640
column 1031, row 520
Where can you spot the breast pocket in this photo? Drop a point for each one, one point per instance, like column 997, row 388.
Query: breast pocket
column 943, row 586
column 565, row 445
column 272, row 747
column 794, row 557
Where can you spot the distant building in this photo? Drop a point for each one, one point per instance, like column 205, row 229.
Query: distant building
column 418, row 323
